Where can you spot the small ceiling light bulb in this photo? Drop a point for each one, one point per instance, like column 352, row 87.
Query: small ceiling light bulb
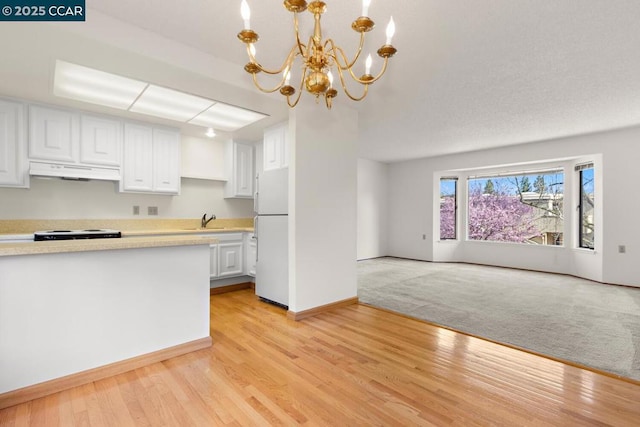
column 391, row 29
column 210, row 133
column 330, row 75
column 246, row 14
column 367, row 65
column 365, row 7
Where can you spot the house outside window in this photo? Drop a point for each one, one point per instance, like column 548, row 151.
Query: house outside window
column 525, row 207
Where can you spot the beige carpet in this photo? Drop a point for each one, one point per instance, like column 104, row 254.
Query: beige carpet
column 560, row 316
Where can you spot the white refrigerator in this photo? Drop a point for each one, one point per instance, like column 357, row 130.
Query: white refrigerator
column 272, row 234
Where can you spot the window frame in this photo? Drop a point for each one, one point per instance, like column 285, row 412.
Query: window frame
column 455, row 208
column 581, row 197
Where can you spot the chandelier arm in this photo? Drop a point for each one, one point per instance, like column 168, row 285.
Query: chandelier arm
column 301, row 47
column 354, row 98
column 304, row 73
column 346, row 91
column 382, row 71
column 347, row 65
column 255, row 82
column 370, row 80
column 287, row 62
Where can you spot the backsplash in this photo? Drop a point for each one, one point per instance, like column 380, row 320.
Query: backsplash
column 58, row 199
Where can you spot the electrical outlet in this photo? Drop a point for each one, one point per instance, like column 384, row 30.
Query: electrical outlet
column 152, row 210
column 622, row 249
column 136, row 210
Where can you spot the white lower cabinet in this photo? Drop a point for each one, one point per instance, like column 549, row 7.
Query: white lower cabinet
column 213, row 264
column 230, row 254
column 230, row 259
column 252, row 254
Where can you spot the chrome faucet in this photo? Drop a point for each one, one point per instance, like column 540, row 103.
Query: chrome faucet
column 205, row 221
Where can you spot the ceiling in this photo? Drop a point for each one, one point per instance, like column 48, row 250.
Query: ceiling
column 468, row 75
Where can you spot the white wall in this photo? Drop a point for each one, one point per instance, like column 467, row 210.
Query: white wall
column 58, row 199
column 372, row 209
column 412, row 186
column 54, row 324
column 322, row 205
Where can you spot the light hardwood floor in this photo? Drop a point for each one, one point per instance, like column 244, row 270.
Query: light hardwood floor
column 352, row 366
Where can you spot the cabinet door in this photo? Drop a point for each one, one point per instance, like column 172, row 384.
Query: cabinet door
column 138, row 158
column 243, row 173
column 213, row 265
column 230, row 259
column 100, row 141
column 272, row 156
column 276, row 148
column 52, row 134
column 166, row 161
column 252, row 254
column 12, row 145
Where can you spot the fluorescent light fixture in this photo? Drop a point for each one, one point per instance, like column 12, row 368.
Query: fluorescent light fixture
column 170, row 104
column 227, row 117
column 94, row 86
column 111, row 90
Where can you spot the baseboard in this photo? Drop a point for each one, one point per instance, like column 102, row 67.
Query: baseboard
column 321, row 309
column 231, row 288
column 46, row 388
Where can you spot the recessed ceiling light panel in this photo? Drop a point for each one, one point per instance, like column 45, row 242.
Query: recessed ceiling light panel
column 111, row 90
column 94, row 86
column 227, row 117
column 170, row 104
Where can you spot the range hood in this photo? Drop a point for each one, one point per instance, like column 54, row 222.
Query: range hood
column 73, row 172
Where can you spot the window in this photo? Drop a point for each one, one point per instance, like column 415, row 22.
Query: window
column 448, row 208
column 525, row 207
column 586, row 206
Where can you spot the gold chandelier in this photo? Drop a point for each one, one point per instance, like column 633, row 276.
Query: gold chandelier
column 318, row 56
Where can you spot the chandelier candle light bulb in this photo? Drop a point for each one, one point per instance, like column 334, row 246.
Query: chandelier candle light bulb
column 319, row 57
column 391, row 30
column 367, row 65
column 365, row 7
column 246, row 14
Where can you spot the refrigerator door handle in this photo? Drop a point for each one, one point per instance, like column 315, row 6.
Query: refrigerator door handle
column 256, row 202
column 255, row 234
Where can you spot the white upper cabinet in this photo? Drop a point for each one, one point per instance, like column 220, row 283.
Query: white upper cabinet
column 100, row 141
column 71, row 137
column 275, row 147
column 13, row 156
column 52, row 134
column 166, row 161
column 240, row 170
column 138, row 161
column 151, row 160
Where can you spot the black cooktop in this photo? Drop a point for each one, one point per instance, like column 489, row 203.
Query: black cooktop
column 76, row 234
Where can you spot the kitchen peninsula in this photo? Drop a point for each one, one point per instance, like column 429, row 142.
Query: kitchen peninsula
column 75, row 311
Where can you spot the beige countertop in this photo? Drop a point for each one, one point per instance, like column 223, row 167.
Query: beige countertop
column 185, row 231
column 84, row 245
